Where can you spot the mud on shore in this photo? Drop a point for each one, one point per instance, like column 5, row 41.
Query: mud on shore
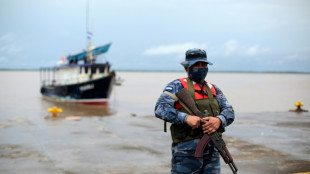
column 259, row 159
column 134, row 145
column 249, row 158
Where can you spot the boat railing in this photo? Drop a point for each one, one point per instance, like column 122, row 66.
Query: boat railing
column 50, row 76
column 47, row 76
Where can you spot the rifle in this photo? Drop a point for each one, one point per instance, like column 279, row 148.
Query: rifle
column 189, row 104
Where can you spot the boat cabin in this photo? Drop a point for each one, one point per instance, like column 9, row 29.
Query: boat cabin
column 73, row 74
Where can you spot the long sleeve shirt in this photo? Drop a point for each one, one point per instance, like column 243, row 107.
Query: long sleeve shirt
column 165, row 110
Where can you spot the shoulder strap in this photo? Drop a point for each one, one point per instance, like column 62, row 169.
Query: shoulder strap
column 177, row 99
column 172, row 95
column 209, row 92
column 191, row 89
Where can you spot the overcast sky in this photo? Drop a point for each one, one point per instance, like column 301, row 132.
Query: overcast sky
column 238, row 35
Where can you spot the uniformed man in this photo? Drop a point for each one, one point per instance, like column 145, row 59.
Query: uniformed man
column 186, row 129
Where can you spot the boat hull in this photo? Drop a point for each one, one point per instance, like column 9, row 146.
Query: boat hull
column 91, row 92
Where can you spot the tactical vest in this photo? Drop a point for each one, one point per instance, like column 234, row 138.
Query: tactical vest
column 205, row 101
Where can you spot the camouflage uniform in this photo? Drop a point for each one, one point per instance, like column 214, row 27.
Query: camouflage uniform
column 183, row 160
column 209, row 164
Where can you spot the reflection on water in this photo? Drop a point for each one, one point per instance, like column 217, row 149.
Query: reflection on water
column 75, row 109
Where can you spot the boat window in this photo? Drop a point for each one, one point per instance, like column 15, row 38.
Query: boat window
column 101, row 69
column 81, row 70
column 86, row 69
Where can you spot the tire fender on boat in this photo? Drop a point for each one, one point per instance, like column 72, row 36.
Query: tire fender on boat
column 43, row 90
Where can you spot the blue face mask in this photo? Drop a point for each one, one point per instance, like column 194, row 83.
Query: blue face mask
column 198, row 74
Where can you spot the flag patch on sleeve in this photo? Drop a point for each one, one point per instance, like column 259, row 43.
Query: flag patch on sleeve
column 168, row 89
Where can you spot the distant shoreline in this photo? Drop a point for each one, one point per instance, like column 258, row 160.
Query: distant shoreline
column 267, row 72
column 128, row 70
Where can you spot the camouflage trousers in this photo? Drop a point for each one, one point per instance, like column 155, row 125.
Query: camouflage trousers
column 209, row 164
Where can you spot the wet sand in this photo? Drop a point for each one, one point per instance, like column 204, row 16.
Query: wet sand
column 125, row 137
column 252, row 158
column 128, row 144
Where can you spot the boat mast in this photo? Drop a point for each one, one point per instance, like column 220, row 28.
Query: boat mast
column 90, row 57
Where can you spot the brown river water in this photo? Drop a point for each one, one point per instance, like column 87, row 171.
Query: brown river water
column 125, row 137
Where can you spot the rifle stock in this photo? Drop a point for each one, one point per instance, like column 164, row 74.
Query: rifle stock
column 188, row 102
